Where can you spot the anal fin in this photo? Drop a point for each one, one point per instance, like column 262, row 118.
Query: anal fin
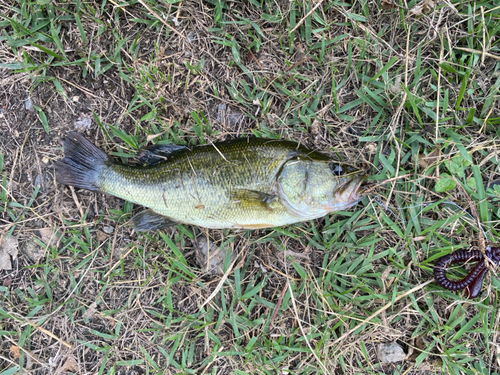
column 149, row 220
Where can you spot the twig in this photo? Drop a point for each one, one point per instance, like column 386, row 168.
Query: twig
column 220, row 284
column 75, row 199
column 373, row 187
column 161, row 19
column 278, row 305
column 255, row 59
column 485, row 121
column 118, row 262
column 305, row 59
column 48, row 333
column 478, row 52
column 303, row 19
column 484, row 44
column 83, row 89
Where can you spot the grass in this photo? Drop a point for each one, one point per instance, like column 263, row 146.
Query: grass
column 411, row 97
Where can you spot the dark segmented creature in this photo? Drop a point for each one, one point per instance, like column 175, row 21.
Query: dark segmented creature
column 473, row 281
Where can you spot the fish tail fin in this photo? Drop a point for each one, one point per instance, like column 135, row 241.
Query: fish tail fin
column 82, row 164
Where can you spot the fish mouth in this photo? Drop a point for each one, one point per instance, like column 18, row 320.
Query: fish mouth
column 363, row 187
column 359, row 188
column 355, row 189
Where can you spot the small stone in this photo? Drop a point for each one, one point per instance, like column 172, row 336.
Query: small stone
column 83, row 123
column 28, row 104
column 45, row 160
column 390, row 353
column 38, row 180
column 107, row 229
column 210, row 257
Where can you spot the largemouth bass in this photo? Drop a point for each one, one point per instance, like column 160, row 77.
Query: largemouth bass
column 244, row 183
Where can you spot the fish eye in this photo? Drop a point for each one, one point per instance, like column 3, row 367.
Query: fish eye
column 337, row 169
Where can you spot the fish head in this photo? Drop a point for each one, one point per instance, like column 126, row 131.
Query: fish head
column 312, row 188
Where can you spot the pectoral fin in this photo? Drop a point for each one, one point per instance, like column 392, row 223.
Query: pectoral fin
column 149, row 220
column 157, row 153
column 252, row 199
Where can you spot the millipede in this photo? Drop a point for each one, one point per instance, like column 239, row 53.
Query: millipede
column 473, row 281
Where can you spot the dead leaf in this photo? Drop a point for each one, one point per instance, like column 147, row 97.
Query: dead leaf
column 101, row 236
column 150, row 137
column 417, row 346
column 89, row 313
column 416, row 10
column 371, row 148
column 386, row 273
column 396, row 87
column 69, row 365
column 32, row 250
column 211, row 257
column 424, row 7
column 388, row 4
column 425, row 161
column 297, row 255
column 8, row 249
column 48, row 237
column 428, row 5
column 14, row 350
column 315, row 126
column 7, row 281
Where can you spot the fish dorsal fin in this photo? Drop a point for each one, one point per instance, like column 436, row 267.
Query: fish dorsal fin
column 155, row 154
column 149, row 220
column 252, row 199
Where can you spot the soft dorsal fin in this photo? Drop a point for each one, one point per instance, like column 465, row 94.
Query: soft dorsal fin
column 155, row 154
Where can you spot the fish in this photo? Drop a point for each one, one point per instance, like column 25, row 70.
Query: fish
column 245, row 183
